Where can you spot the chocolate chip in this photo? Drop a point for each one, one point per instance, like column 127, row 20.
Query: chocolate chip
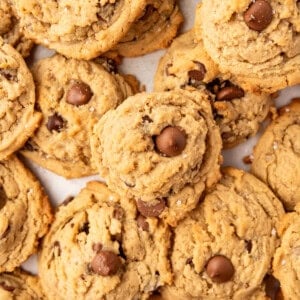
column 229, row 93
column 118, row 213
column 259, row 15
column 106, row 263
column 6, row 287
column 171, row 141
column 79, row 93
column 248, row 246
column 147, row 119
column 197, row 75
column 97, row 247
column 272, row 287
column 168, row 66
column 142, row 223
column 148, row 11
column 85, row 228
column 220, row 269
column 189, row 261
column 55, row 123
column 149, row 209
column 3, row 197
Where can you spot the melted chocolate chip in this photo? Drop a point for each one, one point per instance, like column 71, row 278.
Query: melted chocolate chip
column 220, row 269
column 248, row 246
column 3, row 197
column 259, row 15
column 55, row 123
column 272, row 287
column 142, row 223
column 149, row 209
column 230, row 93
column 171, row 141
column 106, row 263
column 79, row 93
column 85, row 228
column 147, row 119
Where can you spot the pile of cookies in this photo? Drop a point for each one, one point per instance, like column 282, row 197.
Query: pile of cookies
column 169, row 223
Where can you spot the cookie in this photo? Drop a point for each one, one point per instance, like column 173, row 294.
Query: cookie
column 187, row 65
column 154, row 29
column 24, row 216
column 224, row 248
column 10, row 29
column 79, row 30
column 18, row 117
column 257, row 41
column 20, row 286
column 277, row 155
column 72, row 95
column 286, row 263
column 99, row 248
column 162, row 149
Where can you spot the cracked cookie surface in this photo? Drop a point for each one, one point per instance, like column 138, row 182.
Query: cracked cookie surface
column 72, row 96
column 257, row 41
column 99, row 247
column 19, row 285
column 286, row 263
column 25, row 214
column 18, row 119
column 277, row 155
column 81, row 30
column 159, row 148
column 159, row 16
column 187, row 65
column 224, row 248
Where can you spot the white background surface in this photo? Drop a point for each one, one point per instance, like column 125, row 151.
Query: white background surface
column 144, row 68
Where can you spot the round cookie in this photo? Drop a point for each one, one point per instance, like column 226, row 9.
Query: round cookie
column 99, row 248
column 159, row 16
column 18, row 118
column 286, row 263
column 81, row 30
column 257, row 41
column 187, row 65
column 20, row 286
column 72, row 95
column 277, row 155
column 10, row 29
column 24, row 214
column 224, row 248
column 163, row 149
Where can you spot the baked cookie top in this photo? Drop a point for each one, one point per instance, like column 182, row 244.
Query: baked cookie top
column 18, row 117
column 286, row 263
column 99, row 247
column 81, row 30
column 186, row 65
column 19, row 285
column 159, row 16
column 224, row 248
column 72, row 96
column 10, row 29
column 155, row 145
column 25, row 214
column 277, row 155
column 257, row 41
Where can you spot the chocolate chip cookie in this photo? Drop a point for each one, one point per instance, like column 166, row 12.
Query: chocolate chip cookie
column 18, row 117
column 72, row 95
column 286, row 263
column 79, row 30
column 154, row 29
column 187, row 65
column 224, row 248
column 20, row 286
column 277, row 155
column 100, row 247
column 163, row 149
column 257, row 41
column 10, row 29
column 24, row 214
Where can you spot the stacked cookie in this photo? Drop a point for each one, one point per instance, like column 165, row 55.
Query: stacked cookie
column 169, row 223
